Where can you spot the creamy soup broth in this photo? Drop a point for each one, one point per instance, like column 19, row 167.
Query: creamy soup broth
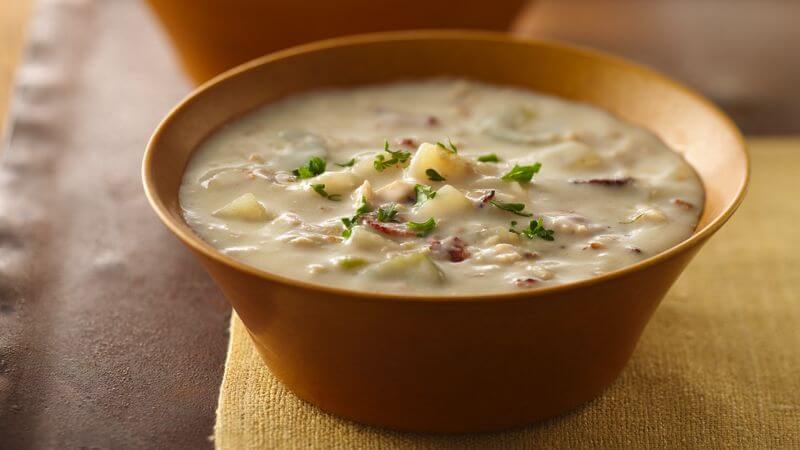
column 445, row 187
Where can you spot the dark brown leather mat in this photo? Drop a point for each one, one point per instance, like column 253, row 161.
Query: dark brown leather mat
column 111, row 335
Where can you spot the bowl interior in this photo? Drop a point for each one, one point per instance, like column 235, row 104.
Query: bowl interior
column 685, row 121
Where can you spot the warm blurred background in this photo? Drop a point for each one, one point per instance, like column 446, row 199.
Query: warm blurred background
column 741, row 53
column 744, row 54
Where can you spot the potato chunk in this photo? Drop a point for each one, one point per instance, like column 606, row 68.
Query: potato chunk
column 338, row 183
column 447, row 163
column 397, row 191
column 365, row 167
column 244, row 207
column 364, row 192
column 363, row 239
column 449, row 202
column 417, row 267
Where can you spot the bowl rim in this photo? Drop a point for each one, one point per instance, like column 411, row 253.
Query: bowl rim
column 195, row 243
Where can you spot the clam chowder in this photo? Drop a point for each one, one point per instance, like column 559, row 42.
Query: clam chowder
column 443, row 187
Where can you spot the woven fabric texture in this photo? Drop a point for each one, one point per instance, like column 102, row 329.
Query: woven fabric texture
column 718, row 365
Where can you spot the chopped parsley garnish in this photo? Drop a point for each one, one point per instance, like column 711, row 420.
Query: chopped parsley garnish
column 515, row 208
column 387, row 214
column 423, row 193
column 433, row 175
column 534, row 230
column 348, row 163
column 422, row 229
column 450, row 147
column 351, row 262
column 350, row 222
column 634, row 218
column 491, row 157
column 320, row 189
column 313, row 167
column 398, row 157
column 523, row 174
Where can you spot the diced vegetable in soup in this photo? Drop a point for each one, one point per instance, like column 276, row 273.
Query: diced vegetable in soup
column 443, row 187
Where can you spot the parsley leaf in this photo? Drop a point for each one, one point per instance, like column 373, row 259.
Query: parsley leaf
column 387, row 215
column 523, row 174
column 350, row 222
column 398, row 157
column 433, row 175
column 320, row 189
column 534, row 230
column 450, row 147
column 491, row 157
column 635, row 217
column 350, row 262
column 423, row 193
column 422, row 229
column 515, row 208
column 313, row 167
column 348, row 163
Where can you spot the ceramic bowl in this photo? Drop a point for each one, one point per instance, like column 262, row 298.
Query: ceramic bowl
column 214, row 35
column 452, row 364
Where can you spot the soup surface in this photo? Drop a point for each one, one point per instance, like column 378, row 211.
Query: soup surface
column 442, row 187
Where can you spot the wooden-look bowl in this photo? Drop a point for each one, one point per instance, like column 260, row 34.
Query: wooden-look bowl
column 473, row 362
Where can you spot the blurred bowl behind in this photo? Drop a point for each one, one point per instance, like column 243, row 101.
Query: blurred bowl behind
column 212, row 36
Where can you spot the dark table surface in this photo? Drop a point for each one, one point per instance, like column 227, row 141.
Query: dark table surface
column 110, row 334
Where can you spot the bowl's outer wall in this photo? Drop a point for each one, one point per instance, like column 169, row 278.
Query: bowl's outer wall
column 214, row 35
column 439, row 365
column 447, row 366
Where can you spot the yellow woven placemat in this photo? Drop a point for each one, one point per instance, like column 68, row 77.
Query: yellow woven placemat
column 718, row 366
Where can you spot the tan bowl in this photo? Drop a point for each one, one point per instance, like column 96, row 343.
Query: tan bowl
column 215, row 35
column 451, row 364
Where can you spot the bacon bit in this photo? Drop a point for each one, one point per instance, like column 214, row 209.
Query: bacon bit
column 530, row 255
column 615, row 182
column 485, row 199
column 392, row 229
column 594, row 246
column 635, row 249
column 682, row 203
column 452, row 248
column 432, row 121
column 408, row 142
column 525, row 282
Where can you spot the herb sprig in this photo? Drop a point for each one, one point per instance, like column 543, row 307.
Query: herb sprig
column 387, row 214
column 398, row 157
column 535, row 229
column 450, row 147
column 491, row 157
column 633, row 219
column 422, row 229
column 348, row 163
column 350, row 222
column 320, row 189
column 423, row 193
column 523, row 174
column 313, row 167
column 515, row 208
column 433, row 175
